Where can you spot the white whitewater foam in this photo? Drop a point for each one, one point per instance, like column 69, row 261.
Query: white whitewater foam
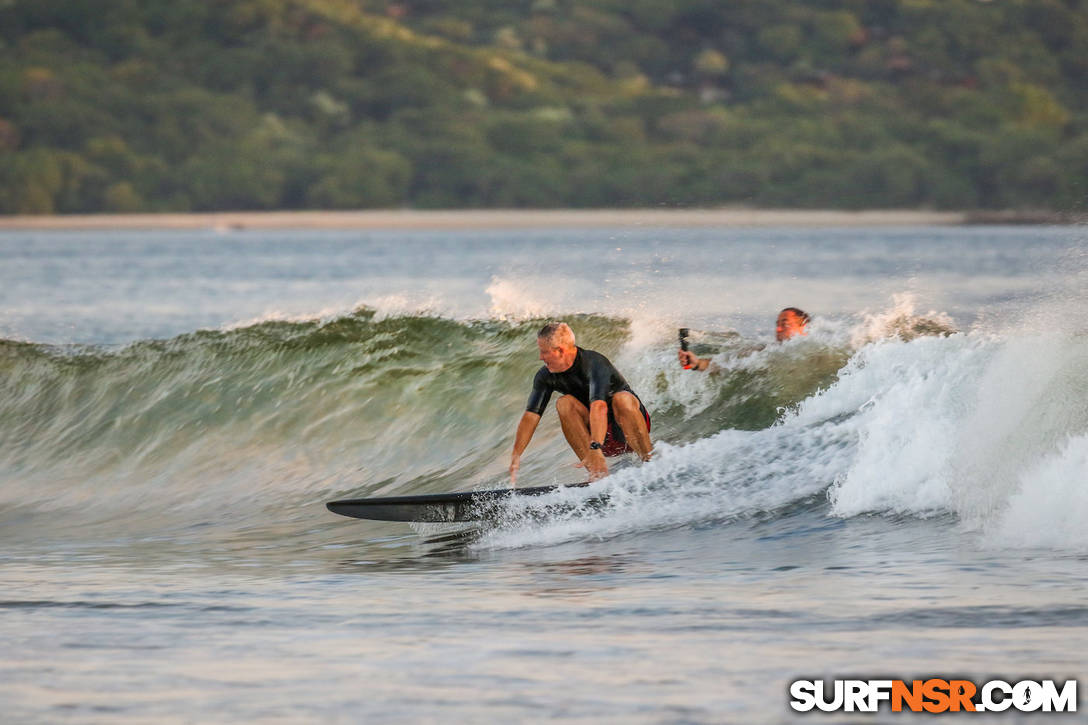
column 965, row 425
column 907, row 399
column 728, row 475
column 1051, row 504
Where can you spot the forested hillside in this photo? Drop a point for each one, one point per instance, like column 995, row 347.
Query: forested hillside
column 155, row 105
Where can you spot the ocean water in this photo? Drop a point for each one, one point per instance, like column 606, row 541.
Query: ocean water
column 901, row 493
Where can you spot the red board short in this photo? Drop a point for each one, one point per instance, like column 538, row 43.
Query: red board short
column 614, row 442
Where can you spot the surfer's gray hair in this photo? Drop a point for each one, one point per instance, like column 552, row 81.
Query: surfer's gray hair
column 558, row 334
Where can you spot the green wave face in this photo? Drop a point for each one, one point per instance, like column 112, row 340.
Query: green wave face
column 394, row 397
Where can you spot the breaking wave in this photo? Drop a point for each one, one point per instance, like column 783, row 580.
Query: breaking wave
column 897, row 414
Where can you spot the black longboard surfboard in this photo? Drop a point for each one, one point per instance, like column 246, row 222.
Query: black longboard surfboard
column 439, row 508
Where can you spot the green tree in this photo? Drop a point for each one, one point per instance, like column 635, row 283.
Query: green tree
column 361, row 178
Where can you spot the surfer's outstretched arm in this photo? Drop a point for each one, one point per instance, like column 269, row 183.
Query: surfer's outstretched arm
column 526, row 428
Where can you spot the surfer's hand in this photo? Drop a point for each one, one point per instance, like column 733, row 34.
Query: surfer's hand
column 515, row 464
column 595, row 465
column 689, row 360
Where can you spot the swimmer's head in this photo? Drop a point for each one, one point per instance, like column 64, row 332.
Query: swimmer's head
column 791, row 321
column 557, row 347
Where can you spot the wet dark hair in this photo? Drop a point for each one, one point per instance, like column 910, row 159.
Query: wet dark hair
column 797, row 311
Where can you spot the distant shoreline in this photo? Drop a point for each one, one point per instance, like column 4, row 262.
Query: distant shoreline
column 527, row 218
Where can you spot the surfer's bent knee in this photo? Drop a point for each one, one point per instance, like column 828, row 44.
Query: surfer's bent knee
column 625, row 401
column 568, row 403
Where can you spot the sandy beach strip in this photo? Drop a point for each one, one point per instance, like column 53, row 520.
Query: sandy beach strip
column 487, row 219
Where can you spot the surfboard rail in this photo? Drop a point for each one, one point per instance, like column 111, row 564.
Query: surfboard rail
column 441, row 508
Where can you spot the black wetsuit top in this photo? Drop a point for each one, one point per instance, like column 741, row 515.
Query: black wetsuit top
column 591, row 377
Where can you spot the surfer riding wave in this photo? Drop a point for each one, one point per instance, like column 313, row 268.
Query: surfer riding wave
column 599, row 413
